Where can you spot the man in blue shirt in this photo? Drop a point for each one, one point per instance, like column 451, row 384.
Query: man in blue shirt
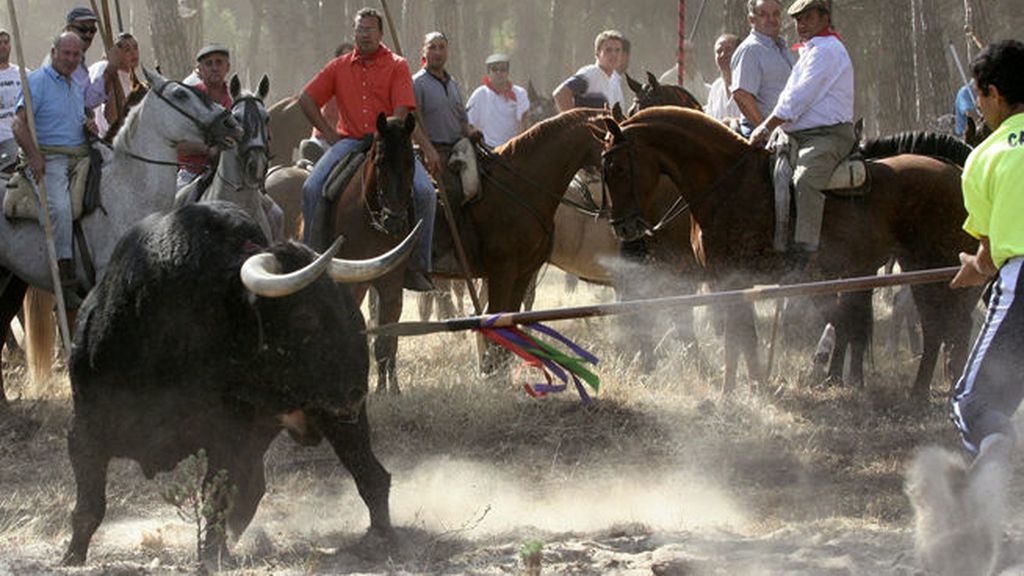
column 761, row 64
column 59, row 110
column 963, row 107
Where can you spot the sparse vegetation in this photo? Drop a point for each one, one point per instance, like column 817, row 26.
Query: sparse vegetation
column 195, row 498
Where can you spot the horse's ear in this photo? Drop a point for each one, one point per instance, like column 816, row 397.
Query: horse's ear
column 617, row 112
column 153, row 78
column 635, row 86
column 531, row 91
column 235, row 87
column 613, row 128
column 410, row 123
column 264, row 88
column 652, row 81
column 971, row 131
column 382, row 122
column 597, row 129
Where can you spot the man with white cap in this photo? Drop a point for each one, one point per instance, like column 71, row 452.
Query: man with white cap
column 816, row 110
column 498, row 108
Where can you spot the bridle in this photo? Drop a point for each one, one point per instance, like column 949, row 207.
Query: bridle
column 255, row 138
column 383, row 213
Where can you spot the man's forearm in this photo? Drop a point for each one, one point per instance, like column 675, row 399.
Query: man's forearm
column 563, row 98
column 748, row 106
column 313, row 114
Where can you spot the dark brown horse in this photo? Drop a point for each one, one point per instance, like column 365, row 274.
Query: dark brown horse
column 373, row 212
column 913, row 212
column 655, row 94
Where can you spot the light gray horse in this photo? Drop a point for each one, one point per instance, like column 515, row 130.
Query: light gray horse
column 241, row 169
column 139, row 181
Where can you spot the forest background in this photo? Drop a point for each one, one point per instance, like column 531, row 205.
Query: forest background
column 906, row 74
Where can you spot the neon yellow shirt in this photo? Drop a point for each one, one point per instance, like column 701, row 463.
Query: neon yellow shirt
column 993, row 185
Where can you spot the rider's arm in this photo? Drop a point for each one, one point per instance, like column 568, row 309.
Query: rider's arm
column 24, row 139
column 748, row 106
column 977, row 268
column 431, row 159
column 316, row 118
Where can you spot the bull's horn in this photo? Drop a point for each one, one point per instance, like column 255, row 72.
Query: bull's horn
column 351, row 271
column 261, row 273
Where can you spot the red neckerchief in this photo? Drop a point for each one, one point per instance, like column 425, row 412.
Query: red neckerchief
column 507, row 94
column 828, row 31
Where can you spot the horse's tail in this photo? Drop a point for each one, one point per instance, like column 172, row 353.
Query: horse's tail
column 942, row 146
column 39, row 336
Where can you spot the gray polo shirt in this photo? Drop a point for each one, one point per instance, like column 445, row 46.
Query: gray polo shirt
column 761, row 66
column 440, row 105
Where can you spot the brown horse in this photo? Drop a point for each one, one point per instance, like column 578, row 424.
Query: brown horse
column 913, row 212
column 373, row 212
column 290, row 126
column 655, row 94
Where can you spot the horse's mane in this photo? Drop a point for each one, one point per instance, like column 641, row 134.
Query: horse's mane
column 683, row 118
column 544, row 131
column 940, row 146
column 134, row 97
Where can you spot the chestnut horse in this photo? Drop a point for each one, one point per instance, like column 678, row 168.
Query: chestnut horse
column 913, row 213
column 374, row 214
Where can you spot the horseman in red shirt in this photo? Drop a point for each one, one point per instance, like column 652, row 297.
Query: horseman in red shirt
column 365, row 82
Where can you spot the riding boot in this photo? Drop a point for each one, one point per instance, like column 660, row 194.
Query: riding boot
column 417, row 280
column 68, row 279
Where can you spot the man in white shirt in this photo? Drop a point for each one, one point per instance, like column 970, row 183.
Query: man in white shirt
column 595, row 85
column 498, row 108
column 10, row 87
column 816, row 110
column 720, row 103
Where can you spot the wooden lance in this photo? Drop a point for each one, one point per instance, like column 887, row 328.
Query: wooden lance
column 693, row 300
column 51, row 250
column 681, row 43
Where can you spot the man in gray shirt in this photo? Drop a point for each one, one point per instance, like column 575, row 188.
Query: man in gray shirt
column 439, row 102
column 761, row 64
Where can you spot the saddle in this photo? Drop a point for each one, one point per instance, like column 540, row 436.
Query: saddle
column 336, row 182
column 849, row 180
column 21, row 202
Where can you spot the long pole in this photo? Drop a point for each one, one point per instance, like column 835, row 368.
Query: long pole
column 44, row 206
column 681, row 43
column 693, row 300
column 460, row 252
column 391, row 26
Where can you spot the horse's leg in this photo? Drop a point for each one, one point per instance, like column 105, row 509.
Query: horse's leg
column 10, row 302
column 425, row 303
column 859, row 323
column 530, row 291
column 445, row 303
column 385, row 348
column 40, row 335
column 930, row 308
column 740, row 337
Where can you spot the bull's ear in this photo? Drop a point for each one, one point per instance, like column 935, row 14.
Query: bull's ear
column 264, row 88
column 635, row 86
column 652, row 80
column 410, row 123
column 235, row 87
column 382, row 122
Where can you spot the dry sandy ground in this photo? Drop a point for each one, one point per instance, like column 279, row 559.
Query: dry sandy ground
column 661, row 476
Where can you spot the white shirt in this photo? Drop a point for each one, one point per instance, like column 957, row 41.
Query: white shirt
column 591, row 83
column 10, row 89
column 819, row 91
column 96, row 73
column 496, row 116
column 720, row 103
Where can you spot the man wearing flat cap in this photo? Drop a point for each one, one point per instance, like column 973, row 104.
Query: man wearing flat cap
column 83, row 23
column 816, row 110
column 213, row 63
column 498, row 108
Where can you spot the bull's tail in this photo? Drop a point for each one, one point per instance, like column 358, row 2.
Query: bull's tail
column 40, row 337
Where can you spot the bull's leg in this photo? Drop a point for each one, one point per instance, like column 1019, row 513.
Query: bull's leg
column 385, row 348
column 11, row 296
column 351, row 442
column 89, row 464
column 251, row 482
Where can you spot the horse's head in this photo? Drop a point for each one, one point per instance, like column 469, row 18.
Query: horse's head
column 656, row 94
column 392, row 171
column 541, row 107
column 208, row 121
column 249, row 111
column 626, row 175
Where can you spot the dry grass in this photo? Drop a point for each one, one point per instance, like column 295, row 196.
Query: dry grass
column 479, row 467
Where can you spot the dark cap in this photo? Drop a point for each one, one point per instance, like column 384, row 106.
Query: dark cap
column 212, row 49
column 81, row 14
column 801, row 6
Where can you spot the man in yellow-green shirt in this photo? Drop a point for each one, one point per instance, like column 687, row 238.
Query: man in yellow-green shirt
column 992, row 386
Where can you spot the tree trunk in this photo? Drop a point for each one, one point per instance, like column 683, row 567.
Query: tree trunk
column 167, row 33
column 253, row 48
column 935, row 73
column 192, row 19
column 896, row 93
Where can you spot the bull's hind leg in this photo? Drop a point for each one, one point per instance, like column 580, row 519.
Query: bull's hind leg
column 351, row 442
column 89, row 464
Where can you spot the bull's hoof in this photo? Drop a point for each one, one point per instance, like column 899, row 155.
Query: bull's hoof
column 73, row 558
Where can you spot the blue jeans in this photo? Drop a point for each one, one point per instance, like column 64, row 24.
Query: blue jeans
column 424, row 196
column 58, row 198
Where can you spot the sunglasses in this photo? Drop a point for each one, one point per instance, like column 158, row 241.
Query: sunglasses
column 498, row 68
column 85, row 29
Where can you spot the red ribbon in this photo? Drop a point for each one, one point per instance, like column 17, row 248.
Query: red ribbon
column 507, row 94
column 827, row 31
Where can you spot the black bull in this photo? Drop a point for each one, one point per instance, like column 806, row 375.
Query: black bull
column 172, row 353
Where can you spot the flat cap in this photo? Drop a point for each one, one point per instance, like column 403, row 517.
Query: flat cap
column 212, row 49
column 801, row 6
column 497, row 58
column 80, row 14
